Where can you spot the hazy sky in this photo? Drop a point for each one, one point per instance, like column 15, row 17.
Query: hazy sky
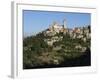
column 35, row 21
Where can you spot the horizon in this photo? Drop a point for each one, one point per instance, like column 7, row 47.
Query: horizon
column 43, row 19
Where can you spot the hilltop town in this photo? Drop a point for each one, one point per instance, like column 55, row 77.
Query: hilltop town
column 78, row 32
column 58, row 45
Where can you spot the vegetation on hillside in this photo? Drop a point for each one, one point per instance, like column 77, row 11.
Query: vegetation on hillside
column 67, row 52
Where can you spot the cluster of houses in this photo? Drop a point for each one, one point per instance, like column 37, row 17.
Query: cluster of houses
column 82, row 33
column 53, row 39
column 56, row 28
column 53, row 30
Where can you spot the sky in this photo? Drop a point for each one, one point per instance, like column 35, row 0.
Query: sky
column 37, row 21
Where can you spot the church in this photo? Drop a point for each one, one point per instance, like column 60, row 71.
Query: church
column 55, row 27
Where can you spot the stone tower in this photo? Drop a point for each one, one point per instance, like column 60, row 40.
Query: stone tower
column 64, row 23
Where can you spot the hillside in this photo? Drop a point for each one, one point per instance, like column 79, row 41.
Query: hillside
column 57, row 47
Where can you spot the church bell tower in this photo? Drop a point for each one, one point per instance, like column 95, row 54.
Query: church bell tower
column 64, row 23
